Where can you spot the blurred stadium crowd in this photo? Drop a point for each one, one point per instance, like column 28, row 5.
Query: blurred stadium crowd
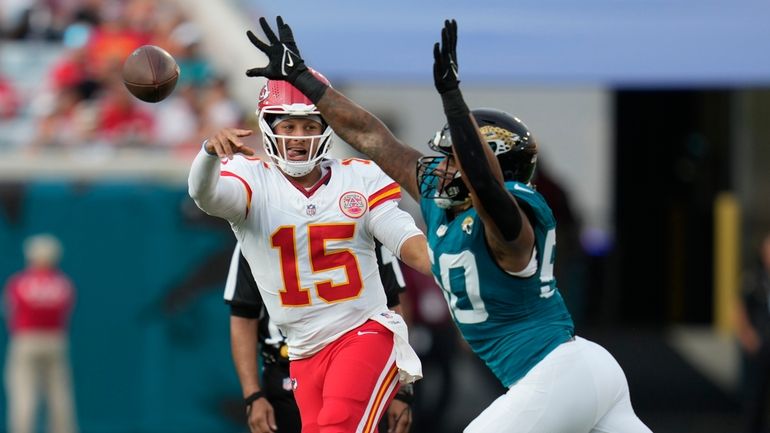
column 80, row 102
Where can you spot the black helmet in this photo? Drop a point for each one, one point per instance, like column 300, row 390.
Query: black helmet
column 510, row 140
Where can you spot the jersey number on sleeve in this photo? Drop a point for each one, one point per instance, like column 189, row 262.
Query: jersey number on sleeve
column 293, row 294
column 546, row 272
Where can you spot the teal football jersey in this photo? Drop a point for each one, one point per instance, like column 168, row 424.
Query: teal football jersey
column 510, row 322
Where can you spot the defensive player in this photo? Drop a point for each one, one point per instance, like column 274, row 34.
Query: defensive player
column 491, row 237
column 250, row 324
column 306, row 225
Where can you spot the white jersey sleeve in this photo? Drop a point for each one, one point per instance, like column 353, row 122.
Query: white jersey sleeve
column 222, row 188
column 392, row 226
column 386, row 221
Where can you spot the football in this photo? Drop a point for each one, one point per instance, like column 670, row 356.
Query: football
column 150, row 73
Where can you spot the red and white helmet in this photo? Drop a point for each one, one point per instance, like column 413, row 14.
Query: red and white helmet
column 280, row 98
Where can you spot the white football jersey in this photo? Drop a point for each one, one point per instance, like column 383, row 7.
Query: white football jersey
column 311, row 251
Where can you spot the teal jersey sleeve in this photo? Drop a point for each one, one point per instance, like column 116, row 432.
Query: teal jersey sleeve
column 510, row 322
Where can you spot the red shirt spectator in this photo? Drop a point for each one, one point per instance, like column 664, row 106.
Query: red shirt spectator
column 110, row 44
column 39, row 299
column 9, row 99
column 122, row 120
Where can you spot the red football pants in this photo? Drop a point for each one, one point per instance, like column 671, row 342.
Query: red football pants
column 347, row 386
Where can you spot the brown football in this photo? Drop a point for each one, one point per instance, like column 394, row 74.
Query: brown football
column 150, row 73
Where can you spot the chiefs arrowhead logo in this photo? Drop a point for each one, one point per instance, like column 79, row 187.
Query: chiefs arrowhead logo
column 264, row 93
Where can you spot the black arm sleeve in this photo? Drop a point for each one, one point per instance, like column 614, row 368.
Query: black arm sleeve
column 244, row 311
column 310, row 85
column 246, row 301
column 477, row 174
column 388, row 276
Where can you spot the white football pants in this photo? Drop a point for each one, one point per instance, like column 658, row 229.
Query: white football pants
column 577, row 388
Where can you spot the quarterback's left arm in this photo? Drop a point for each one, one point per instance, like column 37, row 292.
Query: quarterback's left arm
column 397, row 230
column 509, row 232
column 214, row 194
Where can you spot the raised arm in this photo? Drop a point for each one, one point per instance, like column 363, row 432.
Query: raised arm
column 367, row 134
column 216, row 195
column 351, row 122
column 509, row 232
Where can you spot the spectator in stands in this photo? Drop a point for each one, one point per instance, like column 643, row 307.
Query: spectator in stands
column 64, row 125
column 122, row 119
column 219, row 109
column 28, row 19
column 61, row 104
column 82, row 103
column 9, row 99
column 38, row 303
column 177, row 122
column 112, row 41
column 194, row 68
column 72, row 69
column 753, row 332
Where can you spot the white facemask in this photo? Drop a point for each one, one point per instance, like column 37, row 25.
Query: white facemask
column 319, row 144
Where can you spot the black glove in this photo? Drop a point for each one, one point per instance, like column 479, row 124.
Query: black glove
column 286, row 36
column 284, row 62
column 445, row 73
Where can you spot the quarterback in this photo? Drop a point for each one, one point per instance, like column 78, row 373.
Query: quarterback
column 306, row 224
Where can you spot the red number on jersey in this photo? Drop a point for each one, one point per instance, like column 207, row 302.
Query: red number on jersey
column 292, row 294
column 321, row 259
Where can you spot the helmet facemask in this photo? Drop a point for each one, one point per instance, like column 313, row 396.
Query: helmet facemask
column 276, row 145
column 445, row 186
column 508, row 137
column 281, row 98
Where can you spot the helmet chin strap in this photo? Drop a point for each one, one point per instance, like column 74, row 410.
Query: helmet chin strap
column 443, row 202
column 295, row 169
column 453, row 193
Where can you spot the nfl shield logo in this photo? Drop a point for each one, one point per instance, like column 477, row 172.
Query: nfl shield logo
column 310, row 210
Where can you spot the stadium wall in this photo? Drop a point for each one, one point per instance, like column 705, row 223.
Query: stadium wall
column 149, row 335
